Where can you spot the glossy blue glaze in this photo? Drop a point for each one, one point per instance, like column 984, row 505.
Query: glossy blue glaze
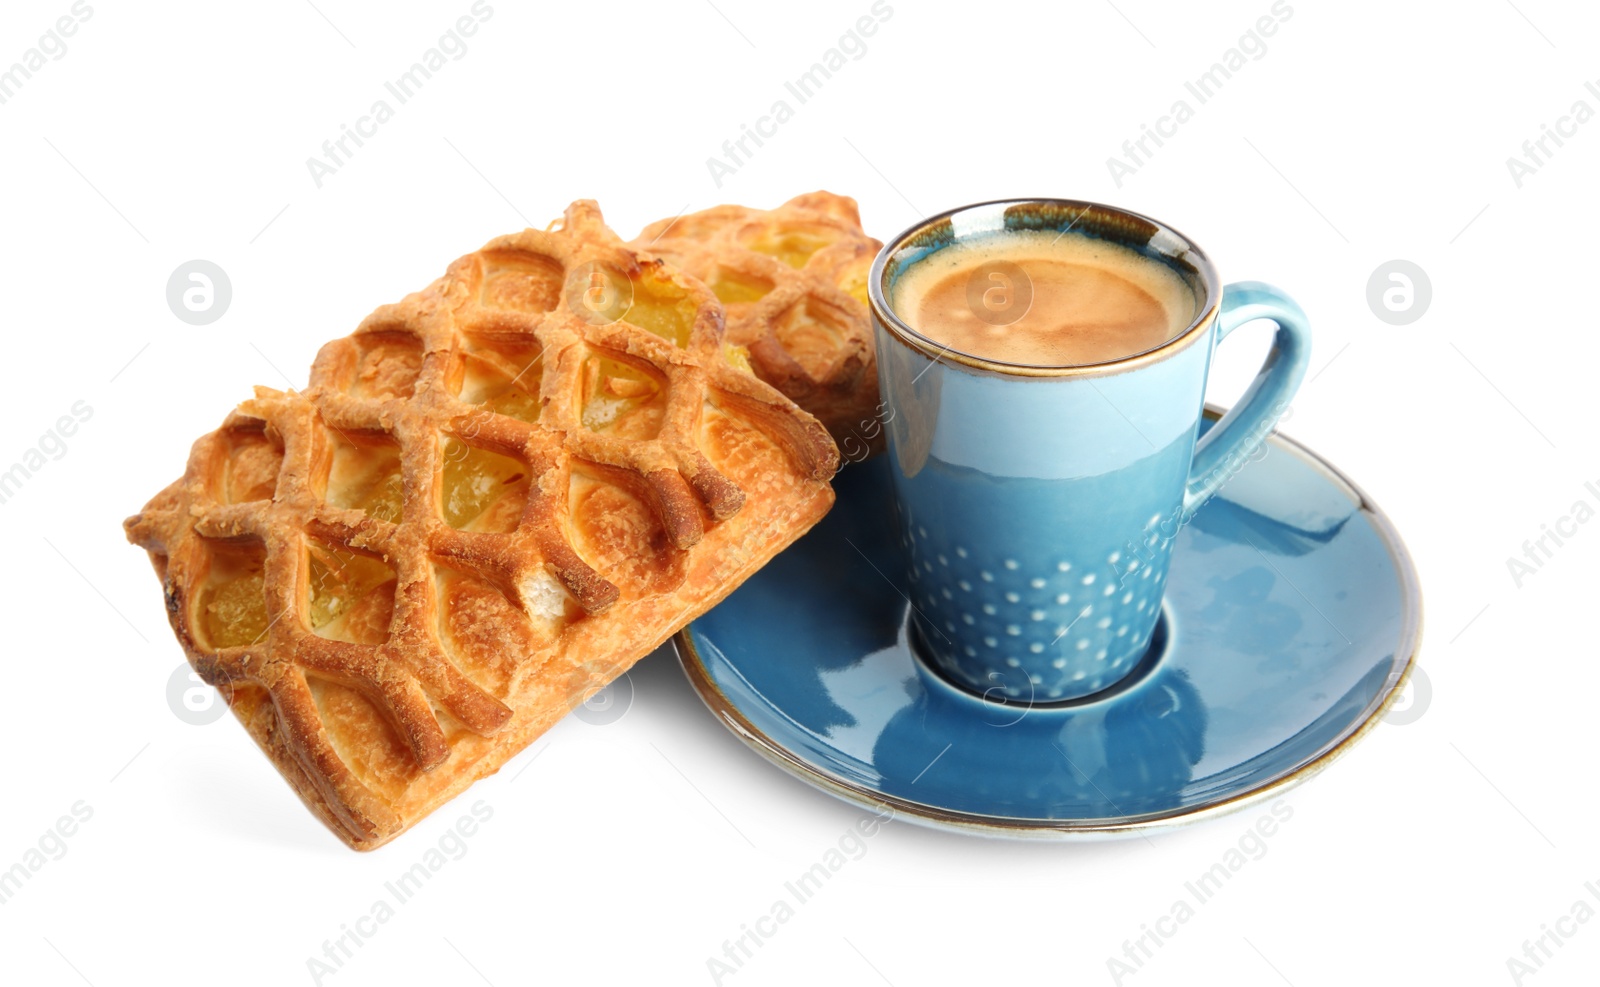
column 1037, row 511
column 1032, row 524
column 1292, row 616
column 1239, row 434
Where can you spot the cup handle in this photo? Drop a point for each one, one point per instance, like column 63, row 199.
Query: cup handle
column 1224, row 449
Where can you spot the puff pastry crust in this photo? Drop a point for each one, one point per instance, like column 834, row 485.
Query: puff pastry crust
column 493, row 498
column 794, row 280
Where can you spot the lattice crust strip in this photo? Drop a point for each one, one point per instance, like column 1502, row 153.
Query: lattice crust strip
column 493, row 498
column 794, row 281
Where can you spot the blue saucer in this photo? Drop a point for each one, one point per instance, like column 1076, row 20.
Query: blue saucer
column 1291, row 618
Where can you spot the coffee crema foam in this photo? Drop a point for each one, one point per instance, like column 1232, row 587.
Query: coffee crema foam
column 1041, row 298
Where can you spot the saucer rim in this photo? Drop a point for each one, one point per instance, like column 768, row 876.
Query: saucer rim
column 1017, row 827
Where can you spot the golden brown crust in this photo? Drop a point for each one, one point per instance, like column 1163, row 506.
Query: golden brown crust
column 794, row 283
column 648, row 477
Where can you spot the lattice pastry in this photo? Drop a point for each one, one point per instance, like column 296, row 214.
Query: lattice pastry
column 494, row 497
column 794, row 280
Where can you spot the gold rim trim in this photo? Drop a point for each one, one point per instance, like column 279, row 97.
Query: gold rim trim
column 1409, row 644
column 940, row 353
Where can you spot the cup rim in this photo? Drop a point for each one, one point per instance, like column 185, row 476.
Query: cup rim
column 942, row 353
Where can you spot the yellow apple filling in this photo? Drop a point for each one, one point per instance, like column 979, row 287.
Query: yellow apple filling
column 504, row 378
column 793, row 248
column 340, row 582
column 613, row 391
column 476, row 480
column 738, row 357
column 384, row 498
column 663, row 310
column 732, row 288
column 854, row 284
column 365, row 476
column 514, row 402
column 236, row 612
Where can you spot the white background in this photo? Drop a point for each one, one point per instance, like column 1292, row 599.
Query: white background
column 628, row 853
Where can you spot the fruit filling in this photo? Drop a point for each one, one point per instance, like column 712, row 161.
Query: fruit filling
column 665, row 310
column 236, row 611
column 854, row 282
column 616, row 396
column 341, row 583
column 483, row 490
column 732, row 288
column 738, row 357
column 793, row 248
column 365, row 476
column 514, row 402
column 504, row 377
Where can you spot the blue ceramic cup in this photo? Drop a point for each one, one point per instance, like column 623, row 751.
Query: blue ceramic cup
column 1038, row 505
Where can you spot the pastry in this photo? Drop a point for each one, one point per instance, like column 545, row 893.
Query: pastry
column 493, row 498
column 794, row 280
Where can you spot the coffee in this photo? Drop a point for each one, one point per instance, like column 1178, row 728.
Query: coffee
column 1041, row 298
